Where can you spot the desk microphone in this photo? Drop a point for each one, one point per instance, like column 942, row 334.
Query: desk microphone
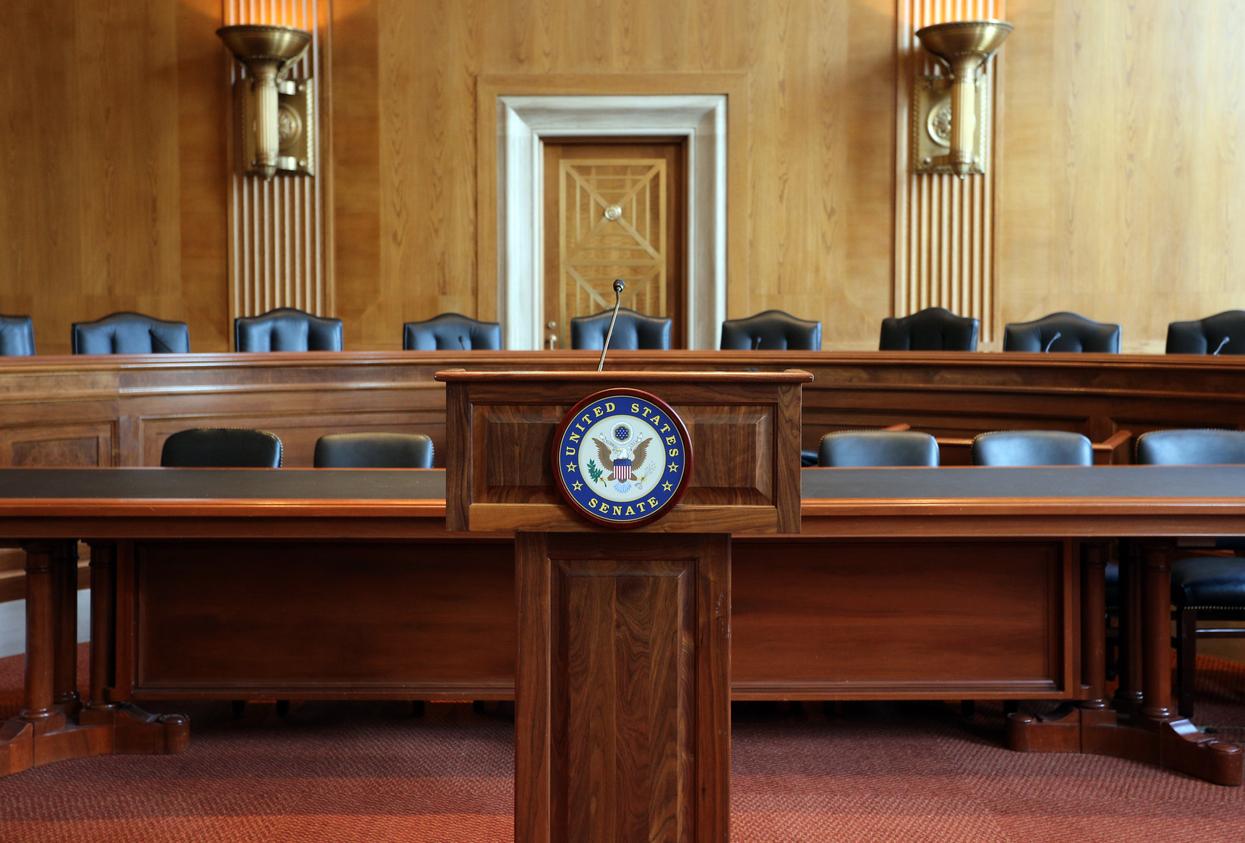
column 618, row 288
column 1219, row 347
column 756, row 343
column 1057, row 335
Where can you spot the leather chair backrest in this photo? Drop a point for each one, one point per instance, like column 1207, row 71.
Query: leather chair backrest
column 1223, row 333
column 374, row 450
column 633, row 330
column 17, row 336
column 451, row 331
column 1191, row 447
column 221, row 447
column 287, row 329
column 130, row 333
column 772, row 330
column 1032, row 447
column 931, row 329
column 859, row 449
column 1062, row 332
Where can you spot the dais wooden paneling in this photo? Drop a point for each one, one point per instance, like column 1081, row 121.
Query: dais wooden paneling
column 302, row 396
column 806, row 611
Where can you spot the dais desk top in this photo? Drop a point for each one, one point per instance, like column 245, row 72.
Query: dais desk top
column 859, row 502
column 1159, row 483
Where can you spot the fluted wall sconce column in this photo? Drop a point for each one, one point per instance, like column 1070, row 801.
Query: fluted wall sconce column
column 951, row 119
column 274, row 115
column 280, row 229
column 944, row 222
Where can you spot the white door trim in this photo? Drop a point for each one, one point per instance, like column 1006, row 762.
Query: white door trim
column 523, row 124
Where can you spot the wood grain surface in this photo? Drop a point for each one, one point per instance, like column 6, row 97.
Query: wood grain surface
column 1115, row 174
column 114, row 166
column 61, row 411
column 622, row 695
column 743, row 425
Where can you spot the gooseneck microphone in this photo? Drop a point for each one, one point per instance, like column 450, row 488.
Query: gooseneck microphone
column 1057, row 335
column 1219, row 347
column 619, row 286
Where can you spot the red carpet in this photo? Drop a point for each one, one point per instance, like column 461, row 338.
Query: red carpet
column 373, row 772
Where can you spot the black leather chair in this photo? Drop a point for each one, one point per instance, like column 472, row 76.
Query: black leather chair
column 221, row 447
column 1032, row 447
column 451, row 331
column 17, row 336
column 287, row 329
column 772, row 330
column 130, row 333
column 633, row 330
column 1223, row 333
column 863, row 448
column 931, row 329
column 1203, row 587
column 374, row 450
column 1062, row 332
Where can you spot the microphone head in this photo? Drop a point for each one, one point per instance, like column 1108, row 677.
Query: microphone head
column 619, row 286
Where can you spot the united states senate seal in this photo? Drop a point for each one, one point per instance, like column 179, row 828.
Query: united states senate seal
column 622, row 457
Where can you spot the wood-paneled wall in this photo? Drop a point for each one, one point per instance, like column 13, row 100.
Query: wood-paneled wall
column 112, row 166
column 1123, row 171
column 1118, row 168
column 817, row 237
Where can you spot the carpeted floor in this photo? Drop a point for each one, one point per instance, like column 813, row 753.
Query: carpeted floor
column 374, row 772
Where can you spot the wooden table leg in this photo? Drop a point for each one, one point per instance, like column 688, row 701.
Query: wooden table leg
column 65, row 592
column 1094, row 626
column 40, row 639
column 46, row 730
column 133, row 730
column 1128, row 694
column 103, row 603
column 1144, row 728
column 1074, row 728
column 1180, row 745
column 622, row 719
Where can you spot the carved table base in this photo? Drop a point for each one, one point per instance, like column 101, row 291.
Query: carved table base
column 54, row 725
column 1144, row 729
column 1174, row 744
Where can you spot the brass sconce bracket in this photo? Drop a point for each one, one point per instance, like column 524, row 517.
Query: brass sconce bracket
column 274, row 114
column 931, row 125
column 951, row 112
column 295, row 127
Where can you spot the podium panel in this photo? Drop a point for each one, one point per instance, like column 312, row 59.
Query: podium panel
column 622, row 578
column 622, row 705
column 744, row 428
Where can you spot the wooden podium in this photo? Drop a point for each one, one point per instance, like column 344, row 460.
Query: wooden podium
column 622, row 687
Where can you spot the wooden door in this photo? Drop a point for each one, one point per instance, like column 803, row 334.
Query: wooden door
column 614, row 210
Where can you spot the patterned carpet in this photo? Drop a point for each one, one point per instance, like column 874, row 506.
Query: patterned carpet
column 375, row 772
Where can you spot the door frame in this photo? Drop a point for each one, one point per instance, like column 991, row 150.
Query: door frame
column 524, row 122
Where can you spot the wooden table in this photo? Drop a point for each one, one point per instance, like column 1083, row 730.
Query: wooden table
column 905, row 583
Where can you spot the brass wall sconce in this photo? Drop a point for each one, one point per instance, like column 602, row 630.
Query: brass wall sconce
column 275, row 116
column 951, row 115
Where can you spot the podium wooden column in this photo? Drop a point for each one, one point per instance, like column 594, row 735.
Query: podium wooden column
column 622, row 687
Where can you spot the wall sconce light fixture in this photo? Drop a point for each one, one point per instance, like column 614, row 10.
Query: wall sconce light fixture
column 274, row 115
column 951, row 116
